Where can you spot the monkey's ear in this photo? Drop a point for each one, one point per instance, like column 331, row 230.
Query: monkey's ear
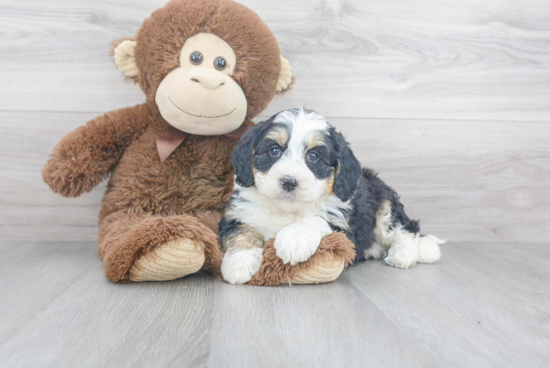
column 125, row 61
column 286, row 80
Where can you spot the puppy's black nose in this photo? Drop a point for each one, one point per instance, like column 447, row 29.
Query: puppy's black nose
column 289, row 183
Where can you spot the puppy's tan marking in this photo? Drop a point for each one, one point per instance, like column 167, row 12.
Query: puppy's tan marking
column 378, row 249
column 329, row 185
column 246, row 237
column 383, row 222
column 315, row 139
column 279, row 134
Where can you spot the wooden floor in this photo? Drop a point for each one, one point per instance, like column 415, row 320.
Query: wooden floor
column 483, row 305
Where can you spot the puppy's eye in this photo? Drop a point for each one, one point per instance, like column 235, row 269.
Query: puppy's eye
column 195, row 58
column 275, row 152
column 219, row 63
column 312, row 156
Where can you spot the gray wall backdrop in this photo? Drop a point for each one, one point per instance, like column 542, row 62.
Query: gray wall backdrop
column 448, row 100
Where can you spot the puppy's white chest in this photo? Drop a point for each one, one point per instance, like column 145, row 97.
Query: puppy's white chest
column 268, row 221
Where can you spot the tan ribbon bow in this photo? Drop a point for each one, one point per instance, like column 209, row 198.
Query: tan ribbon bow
column 172, row 138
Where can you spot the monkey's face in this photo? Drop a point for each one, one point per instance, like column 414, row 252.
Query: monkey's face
column 207, row 66
column 200, row 97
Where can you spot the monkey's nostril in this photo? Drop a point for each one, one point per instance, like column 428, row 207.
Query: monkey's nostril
column 289, row 183
column 195, row 80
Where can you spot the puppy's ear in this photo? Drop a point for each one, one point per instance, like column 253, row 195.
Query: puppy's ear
column 242, row 156
column 348, row 170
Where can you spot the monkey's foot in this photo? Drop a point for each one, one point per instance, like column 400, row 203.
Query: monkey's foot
column 322, row 271
column 334, row 253
column 172, row 260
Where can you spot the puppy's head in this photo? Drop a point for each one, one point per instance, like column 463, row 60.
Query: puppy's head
column 296, row 156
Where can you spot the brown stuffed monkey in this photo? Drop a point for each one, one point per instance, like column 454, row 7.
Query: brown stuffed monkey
column 207, row 68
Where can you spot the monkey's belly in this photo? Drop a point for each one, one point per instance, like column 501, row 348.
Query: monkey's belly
column 176, row 188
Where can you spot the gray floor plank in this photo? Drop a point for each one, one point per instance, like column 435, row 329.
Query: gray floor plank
column 467, row 309
column 96, row 323
column 33, row 275
column 483, row 304
column 307, row 326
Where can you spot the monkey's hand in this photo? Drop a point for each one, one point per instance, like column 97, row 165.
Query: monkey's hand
column 83, row 158
column 72, row 172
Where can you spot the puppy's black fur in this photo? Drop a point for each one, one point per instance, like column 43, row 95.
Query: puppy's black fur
column 348, row 169
column 367, row 193
column 243, row 155
column 370, row 195
column 361, row 186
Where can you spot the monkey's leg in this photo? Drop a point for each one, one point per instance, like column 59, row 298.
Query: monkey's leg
column 143, row 247
column 335, row 252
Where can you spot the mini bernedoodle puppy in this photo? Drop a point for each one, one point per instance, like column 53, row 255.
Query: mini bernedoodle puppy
column 297, row 180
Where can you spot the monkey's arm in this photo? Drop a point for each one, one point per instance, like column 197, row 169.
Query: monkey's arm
column 84, row 157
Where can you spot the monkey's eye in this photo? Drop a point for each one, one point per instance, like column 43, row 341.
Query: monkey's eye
column 219, row 63
column 312, row 156
column 195, row 58
column 275, row 152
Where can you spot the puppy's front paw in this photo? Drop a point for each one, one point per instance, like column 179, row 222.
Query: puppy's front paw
column 297, row 242
column 240, row 265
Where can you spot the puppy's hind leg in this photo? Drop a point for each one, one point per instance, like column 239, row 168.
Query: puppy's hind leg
column 403, row 249
column 401, row 236
column 378, row 249
column 428, row 248
column 401, row 243
column 406, row 248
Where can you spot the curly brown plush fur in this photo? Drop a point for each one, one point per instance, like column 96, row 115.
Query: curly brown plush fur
column 334, row 247
column 162, row 36
column 149, row 203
